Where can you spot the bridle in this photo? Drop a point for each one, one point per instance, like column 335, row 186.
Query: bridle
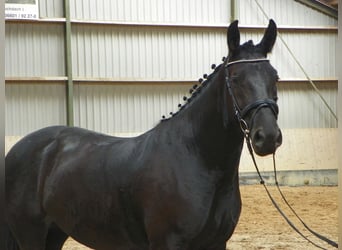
column 240, row 115
column 257, row 105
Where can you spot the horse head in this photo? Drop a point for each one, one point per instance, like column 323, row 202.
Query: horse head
column 251, row 81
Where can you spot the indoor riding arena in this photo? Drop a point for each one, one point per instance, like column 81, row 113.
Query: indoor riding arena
column 122, row 67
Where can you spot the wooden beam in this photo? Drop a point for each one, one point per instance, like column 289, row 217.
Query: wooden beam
column 223, row 27
column 133, row 81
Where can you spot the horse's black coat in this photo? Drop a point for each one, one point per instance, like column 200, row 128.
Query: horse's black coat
column 174, row 187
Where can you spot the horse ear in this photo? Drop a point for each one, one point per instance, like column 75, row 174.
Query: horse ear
column 269, row 38
column 233, row 36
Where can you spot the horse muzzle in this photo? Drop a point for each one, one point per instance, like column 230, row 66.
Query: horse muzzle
column 266, row 142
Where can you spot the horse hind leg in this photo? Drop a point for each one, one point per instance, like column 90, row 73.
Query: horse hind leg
column 55, row 238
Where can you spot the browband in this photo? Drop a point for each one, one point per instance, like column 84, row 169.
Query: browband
column 246, row 61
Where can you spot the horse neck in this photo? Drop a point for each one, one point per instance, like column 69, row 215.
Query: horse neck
column 203, row 120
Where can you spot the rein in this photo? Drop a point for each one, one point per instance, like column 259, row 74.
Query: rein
column 240, row 114
column 275, row 204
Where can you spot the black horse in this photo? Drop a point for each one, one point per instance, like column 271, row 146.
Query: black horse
column 173, row 187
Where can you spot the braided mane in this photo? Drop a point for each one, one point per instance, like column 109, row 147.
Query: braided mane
column 195, row 90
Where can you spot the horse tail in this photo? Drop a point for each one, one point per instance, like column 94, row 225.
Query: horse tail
column 8, row 239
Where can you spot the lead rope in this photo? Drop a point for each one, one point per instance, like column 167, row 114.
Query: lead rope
column 330, row 242
column 289, row 222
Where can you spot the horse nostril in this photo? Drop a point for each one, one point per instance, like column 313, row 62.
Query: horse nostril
column 259, row 138
column 258, row 142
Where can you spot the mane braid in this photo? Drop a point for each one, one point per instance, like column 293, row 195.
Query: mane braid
column 195, row 91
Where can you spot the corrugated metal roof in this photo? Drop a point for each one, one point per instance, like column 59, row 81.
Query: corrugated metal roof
column 324, row 6
column 284, row 12
column 332, row 3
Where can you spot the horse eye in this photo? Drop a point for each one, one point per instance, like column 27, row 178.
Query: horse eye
column 233, row 78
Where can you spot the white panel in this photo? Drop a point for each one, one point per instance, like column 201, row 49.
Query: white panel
column 125, row 109
column 51, row 8
column 132, row 53
column 284, row 12
column 315, row 51
column 137, row 54
column 301, row 107
column 34, row 50
column 302, row 149
column 166, row 11
column 33, row 106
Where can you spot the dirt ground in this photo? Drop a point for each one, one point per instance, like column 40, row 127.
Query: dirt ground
column 261, row 226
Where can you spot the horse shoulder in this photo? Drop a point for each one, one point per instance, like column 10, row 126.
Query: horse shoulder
column 173, row 195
